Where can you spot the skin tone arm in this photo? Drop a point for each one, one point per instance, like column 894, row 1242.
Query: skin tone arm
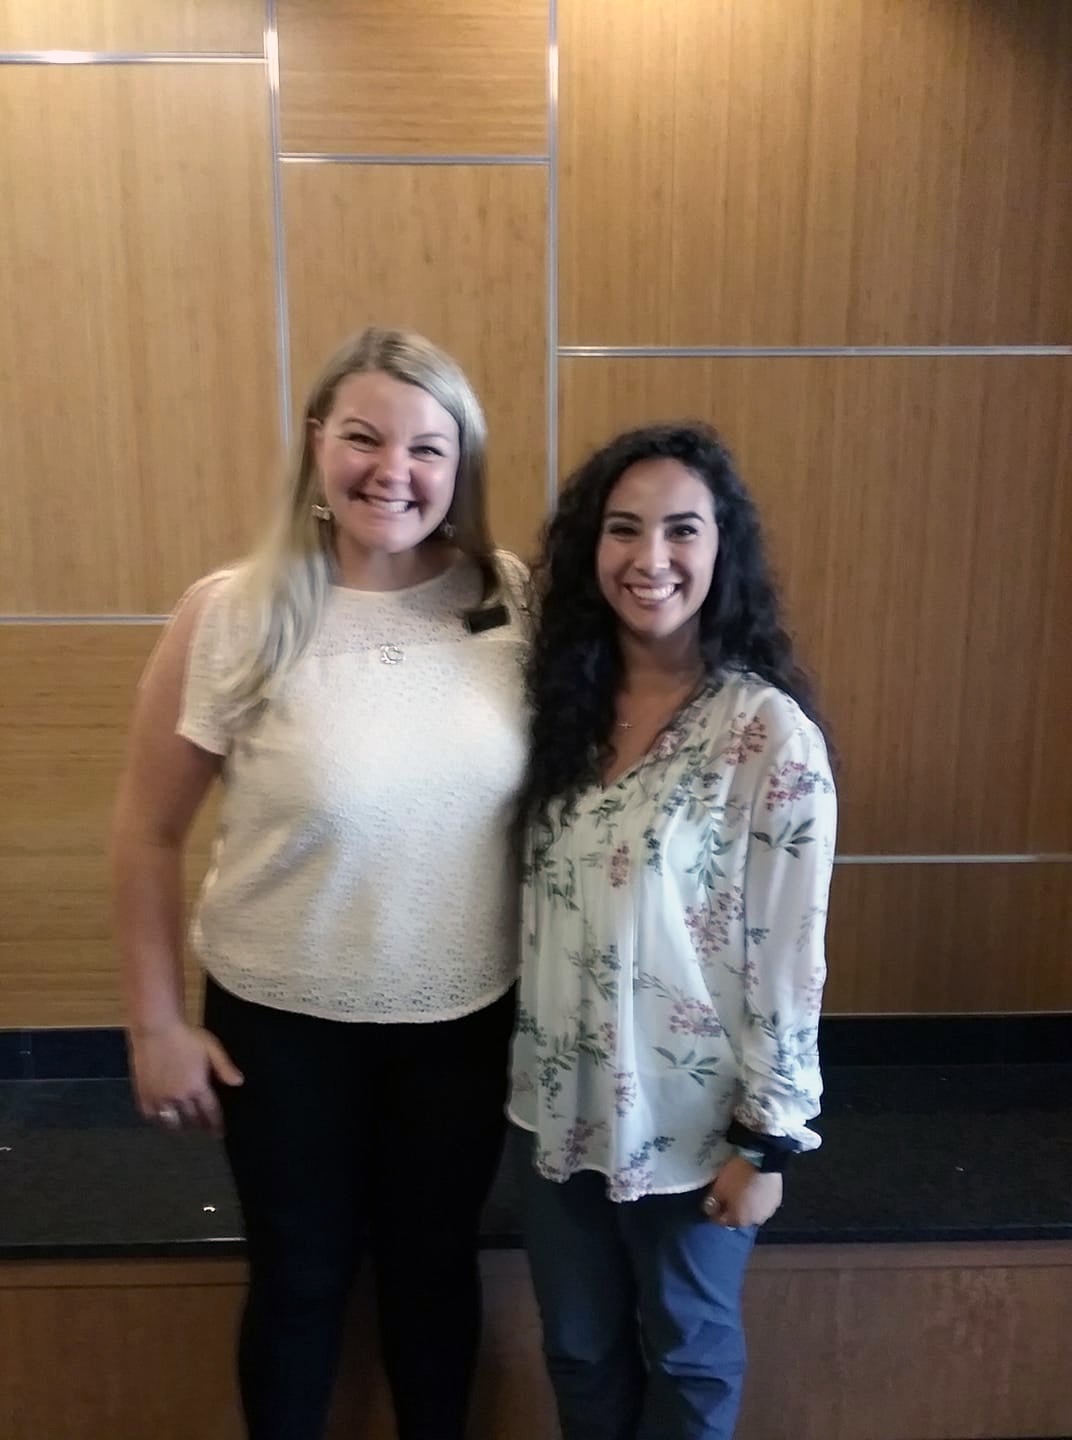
column 741, row 1195
column 164, row 783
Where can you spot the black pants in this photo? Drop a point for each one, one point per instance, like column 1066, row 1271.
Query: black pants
column 344, row 1132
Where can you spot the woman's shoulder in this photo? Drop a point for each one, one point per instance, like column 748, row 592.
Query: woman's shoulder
column 212, row 613
column 765, row 714
column 517, row 583
column 513, row 570
column 213, row 591
column 189, row 653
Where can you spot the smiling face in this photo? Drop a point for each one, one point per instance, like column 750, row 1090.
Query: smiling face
column 388, row 459
column 657, row 549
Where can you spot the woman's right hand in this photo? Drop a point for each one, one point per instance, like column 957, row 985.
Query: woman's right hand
column 173, row 1068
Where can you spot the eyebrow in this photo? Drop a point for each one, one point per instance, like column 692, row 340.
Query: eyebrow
column 424, row 435
column 628, row 515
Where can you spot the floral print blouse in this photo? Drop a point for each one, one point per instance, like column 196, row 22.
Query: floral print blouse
column 673, row 950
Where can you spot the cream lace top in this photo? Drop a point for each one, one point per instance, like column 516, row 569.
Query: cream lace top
column 361, row 867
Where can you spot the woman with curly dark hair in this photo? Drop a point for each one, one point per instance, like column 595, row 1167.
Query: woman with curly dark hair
column 678, row 823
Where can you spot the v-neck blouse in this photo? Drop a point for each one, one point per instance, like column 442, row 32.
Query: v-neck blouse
column 673, row 949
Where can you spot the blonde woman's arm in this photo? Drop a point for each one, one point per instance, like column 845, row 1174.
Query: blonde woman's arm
column 164, row 783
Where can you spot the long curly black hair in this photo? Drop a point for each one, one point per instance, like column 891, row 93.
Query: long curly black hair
column 575, row 665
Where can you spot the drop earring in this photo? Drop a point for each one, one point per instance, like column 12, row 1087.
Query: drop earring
column 322, row 512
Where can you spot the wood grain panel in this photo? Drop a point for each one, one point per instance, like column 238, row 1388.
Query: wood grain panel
column 899, row 1342
column 171, row 25
column 833, row 1333
column 816, row 172
column 397, row 77
column 935, row 939
column 460, row 255
column 68, row 693
column 148, row 1348
column 920, row 519
column 137, row 335
column 147, row 1361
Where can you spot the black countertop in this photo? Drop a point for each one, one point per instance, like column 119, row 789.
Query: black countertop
column 910, row 1153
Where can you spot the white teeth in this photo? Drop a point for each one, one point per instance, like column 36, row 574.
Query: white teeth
column 392, row 507
column 651, row 593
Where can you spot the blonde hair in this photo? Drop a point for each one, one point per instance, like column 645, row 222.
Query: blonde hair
column 283, row 586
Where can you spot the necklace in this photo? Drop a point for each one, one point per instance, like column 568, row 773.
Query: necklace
column 679, row 704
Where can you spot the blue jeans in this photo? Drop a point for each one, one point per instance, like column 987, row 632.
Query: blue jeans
column 641, row 1310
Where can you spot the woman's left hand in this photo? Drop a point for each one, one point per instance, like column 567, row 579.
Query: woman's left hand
column 741, row 1195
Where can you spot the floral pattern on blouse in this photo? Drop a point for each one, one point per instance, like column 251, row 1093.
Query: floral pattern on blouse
column 673, row 950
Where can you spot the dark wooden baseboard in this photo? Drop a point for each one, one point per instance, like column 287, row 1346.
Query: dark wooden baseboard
column 891, row 1342
column 909, row 1342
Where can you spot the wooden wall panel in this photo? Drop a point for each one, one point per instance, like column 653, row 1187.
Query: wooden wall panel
column 138, row 1351
column 912, row 938
column 907, row 1342
column 399, row 77
column 458, row 253
column 138, row 396
column 920, row 520
column 816, row 172
column 857, row 1342
column 68, row 692
column 782, row 172
column 182, row 25
column 147, row 1347
column 950, row 938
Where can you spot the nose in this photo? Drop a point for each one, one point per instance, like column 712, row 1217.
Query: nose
column 392, row 463
column 652, row 554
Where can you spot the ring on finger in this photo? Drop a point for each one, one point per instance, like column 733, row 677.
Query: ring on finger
column 168, row 1114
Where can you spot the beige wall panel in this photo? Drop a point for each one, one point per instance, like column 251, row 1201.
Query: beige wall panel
column 182, row 25
column 457, row 252
column 935, row 939
column 920, row 521
column 913, row 938
column 138, row 395
column 399, row 77
column 68, row 693
column 816, row 172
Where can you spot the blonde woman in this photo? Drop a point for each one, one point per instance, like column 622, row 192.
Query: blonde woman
column 355, row 689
